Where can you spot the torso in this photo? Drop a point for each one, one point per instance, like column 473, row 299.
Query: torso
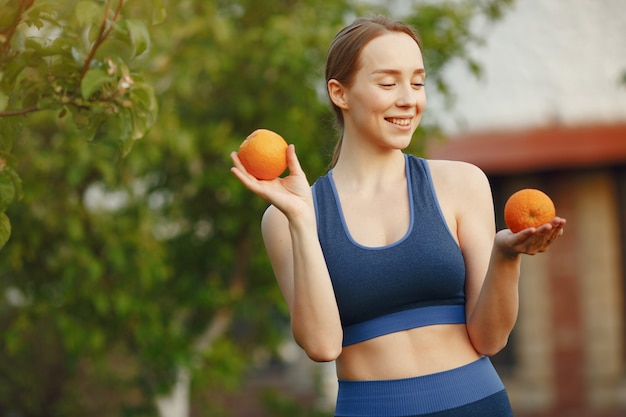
column 405, row 354
column 414, row 352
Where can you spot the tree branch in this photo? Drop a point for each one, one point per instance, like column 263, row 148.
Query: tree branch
column 105, row 29
column 10, row 31
column 18, row 112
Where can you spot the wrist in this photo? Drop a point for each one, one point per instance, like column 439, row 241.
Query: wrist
column 303, row 221
column 505, row 252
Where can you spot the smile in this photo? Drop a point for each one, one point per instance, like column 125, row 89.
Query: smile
column 399, row 122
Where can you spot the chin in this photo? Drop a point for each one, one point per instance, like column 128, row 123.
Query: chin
column 403, row 142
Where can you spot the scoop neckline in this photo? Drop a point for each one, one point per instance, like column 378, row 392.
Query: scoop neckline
column 344, row 224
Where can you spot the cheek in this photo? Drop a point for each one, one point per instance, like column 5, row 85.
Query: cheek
column 373, row 103
column 380, row 101
column 421, row 102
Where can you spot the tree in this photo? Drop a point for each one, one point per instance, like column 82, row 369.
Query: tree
column 74, row 58
column 144, row 270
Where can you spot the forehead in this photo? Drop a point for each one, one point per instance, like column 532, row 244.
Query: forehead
column 393, row 50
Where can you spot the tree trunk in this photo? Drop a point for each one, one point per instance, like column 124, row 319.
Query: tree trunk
column 176, row 403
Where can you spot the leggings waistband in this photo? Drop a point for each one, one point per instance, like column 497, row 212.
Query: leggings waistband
column 419, row 395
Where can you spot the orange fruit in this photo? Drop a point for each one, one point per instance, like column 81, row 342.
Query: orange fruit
column 264, row 154
column 528, row 208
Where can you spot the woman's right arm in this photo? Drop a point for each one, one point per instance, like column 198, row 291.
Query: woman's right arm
column 289, row 229
column 296, row 256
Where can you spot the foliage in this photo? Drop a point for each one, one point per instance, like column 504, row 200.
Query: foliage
column 76, row 59
column 127, row 265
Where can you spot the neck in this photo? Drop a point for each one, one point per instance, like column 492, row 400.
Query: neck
column 357, row 169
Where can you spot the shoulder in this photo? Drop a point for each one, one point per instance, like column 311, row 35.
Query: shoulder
column 453, row 167
column 462, row 176
column 463, row 190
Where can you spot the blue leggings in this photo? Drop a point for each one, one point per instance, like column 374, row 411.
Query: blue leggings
column 469, row 391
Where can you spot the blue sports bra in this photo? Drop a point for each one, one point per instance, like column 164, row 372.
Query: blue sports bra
column 416, row 281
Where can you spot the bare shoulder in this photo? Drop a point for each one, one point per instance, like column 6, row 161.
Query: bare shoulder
column 458, row 176
column 464, row 194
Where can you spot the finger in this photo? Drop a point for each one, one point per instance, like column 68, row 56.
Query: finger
column 243, row 177
column 239, row 170
column 558, row 225
column 558, row 232
column 234, row 156
column 292, row 160
column 526, row 234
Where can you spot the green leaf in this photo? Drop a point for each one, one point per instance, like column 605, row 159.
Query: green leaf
column 159, row 12
column 118, row 47
column 92, row 81
column 143, row 95
column 139, row 36
column 5, row 229
column 11, row 174
column 141, row 124
column 124, row 124
column 88, row 12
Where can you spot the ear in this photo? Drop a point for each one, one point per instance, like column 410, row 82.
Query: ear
column 337, row 94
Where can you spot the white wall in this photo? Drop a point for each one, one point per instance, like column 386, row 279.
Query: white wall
column 546, row 61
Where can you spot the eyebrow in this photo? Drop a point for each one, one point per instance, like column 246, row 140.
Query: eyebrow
column 395, row 71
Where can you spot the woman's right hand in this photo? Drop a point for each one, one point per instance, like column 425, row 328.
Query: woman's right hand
column 291, row 194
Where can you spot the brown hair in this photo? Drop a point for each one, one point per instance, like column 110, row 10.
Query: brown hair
column 344, row 52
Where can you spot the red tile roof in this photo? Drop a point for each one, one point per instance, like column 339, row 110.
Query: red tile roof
column 538, row 149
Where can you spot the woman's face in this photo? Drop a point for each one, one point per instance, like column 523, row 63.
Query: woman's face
column 385, row 102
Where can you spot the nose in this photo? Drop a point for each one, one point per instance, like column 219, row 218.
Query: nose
column 409, row 95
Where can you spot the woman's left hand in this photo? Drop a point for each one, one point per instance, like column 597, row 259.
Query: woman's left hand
column 532, row 240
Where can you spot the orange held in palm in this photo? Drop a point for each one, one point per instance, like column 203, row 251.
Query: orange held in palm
column 528, row 208
column 264, row 154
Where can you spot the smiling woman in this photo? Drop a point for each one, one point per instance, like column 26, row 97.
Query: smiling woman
column 408, row 298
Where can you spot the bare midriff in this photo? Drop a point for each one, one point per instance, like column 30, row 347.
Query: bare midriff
column 409, row 353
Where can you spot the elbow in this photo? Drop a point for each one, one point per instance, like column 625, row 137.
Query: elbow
column 488, row 339
column 319, row 349
column 329, row 354
column 491, row 348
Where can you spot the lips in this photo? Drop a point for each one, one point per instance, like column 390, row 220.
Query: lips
column 399, row 121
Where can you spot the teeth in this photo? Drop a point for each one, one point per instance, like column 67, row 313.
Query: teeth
column 400, row 122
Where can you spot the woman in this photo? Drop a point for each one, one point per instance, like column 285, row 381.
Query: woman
column 390, row 264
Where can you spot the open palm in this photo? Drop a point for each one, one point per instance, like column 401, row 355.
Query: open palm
column 532, row 240
column 290, row 194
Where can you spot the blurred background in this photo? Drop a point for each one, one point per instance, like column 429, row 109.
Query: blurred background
column 549, row 112
column 133, row 279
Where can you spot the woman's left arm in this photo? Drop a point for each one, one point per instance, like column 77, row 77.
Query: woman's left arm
column 493, row 262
